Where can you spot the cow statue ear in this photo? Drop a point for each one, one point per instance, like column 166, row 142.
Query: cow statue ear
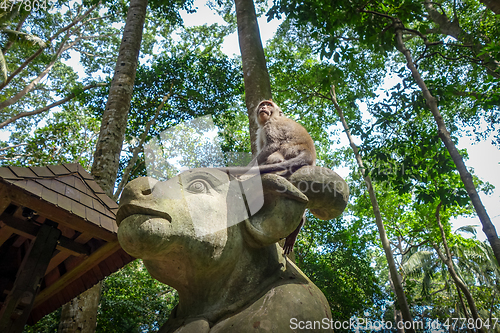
column 280, row 214
column 318, row 189
column 327, row 192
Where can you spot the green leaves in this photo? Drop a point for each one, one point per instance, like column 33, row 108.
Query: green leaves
column 67, row 137
column 201, row 84
column 335, row 256
column 132, row 301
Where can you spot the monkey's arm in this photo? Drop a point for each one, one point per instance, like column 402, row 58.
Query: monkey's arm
column 291, row 165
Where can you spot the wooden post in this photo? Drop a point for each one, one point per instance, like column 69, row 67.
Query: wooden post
column 19, row 302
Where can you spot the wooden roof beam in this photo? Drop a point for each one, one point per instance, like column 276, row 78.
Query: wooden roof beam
column 19, row 302
column 5, row 233
column 30, row 230
column 94, row 259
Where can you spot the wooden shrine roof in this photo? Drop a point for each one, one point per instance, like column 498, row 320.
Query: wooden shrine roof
column 67, row 196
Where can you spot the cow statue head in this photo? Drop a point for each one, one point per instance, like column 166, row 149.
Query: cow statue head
column 214, row 239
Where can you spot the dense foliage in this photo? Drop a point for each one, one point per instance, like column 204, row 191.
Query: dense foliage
column 51, row 106
column 126, row 308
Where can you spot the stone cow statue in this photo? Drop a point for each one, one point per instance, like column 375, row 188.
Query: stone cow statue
column 231, row 276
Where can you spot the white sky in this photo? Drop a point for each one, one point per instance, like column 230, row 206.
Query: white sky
column 484, row 158
column 205, row 15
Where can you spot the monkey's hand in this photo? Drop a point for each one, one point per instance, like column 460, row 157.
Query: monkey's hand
column 290, row 239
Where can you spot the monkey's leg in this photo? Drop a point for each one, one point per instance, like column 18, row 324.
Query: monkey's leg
column 290, row 239
column 274, row 158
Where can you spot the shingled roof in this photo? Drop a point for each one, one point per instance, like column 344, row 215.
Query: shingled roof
column 67, row 186
column 65, row 196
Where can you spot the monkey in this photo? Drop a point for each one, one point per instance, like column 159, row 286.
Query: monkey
column 280, row 140
column 283, row 145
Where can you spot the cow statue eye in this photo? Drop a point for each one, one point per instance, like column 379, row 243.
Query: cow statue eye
column 198, row 186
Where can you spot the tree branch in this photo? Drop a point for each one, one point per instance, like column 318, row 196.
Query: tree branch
column 48, row 107
column 137, row 149
column 33, row 83
column 379, row 14
column 14, row 146
column 40, row 50
column 452, row 28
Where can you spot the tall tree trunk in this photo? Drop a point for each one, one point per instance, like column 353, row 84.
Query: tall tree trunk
column 80, row 315
column 466, row 314
column 397, row 313
column 488, row 227
column 396, row 280
column 114, row 119
column 493, row 5
column 447, row 259
column 255, row 74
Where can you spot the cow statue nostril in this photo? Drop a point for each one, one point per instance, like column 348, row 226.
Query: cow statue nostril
column 147, row 191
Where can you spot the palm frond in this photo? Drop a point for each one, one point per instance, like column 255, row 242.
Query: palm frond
column 470, row 229
column 3, row 66
column 32, row 39
column 426, row 285
column 418, row 262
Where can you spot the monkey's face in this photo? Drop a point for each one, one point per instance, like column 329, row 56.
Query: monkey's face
column 265, row 111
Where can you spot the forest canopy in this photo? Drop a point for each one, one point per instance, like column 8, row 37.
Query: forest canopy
column 56, row 69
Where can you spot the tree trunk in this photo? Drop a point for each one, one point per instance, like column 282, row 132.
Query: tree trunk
column 114, row 119
column 397, row 313
column 452, row 28
column 255, row 75
column 493, row 5
column 488, row 227
column 398, row 286
column 451, row 269
column 466, row 314
column 81, row 312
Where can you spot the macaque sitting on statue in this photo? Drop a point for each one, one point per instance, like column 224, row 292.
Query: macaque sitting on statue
column 283, row 145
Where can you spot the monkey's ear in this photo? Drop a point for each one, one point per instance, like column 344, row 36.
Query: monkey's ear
column 283, row 208
column 327, row 192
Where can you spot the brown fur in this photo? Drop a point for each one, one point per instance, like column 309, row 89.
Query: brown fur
column 280, row 140
column 282, row 143
column 283, row 146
